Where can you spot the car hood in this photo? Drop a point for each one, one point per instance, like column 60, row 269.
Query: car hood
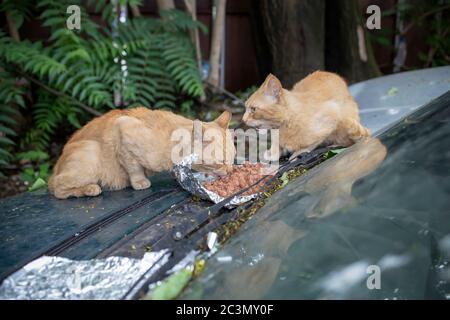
column 370, row 223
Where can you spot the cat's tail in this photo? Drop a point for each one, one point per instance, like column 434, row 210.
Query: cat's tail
column 355, row 131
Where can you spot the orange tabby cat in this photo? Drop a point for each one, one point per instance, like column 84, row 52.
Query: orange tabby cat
column 318, row 111
column 124, row 147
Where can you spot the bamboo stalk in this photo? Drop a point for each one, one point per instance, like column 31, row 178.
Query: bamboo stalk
column 13, row 31
column 216, row 42
column 191, row 6
column 135, row 10
column 165, row 4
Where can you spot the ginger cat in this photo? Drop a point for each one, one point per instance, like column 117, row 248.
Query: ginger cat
column 124, row 147
column 318, row 111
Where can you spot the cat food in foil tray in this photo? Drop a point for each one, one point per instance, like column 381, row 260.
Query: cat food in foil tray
column 217, row 189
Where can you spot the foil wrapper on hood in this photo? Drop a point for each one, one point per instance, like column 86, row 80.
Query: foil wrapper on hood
column 193, row 182
column 61, row 278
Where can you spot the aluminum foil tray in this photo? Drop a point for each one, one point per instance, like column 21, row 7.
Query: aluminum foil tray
column 50, row 277
column 193, row 182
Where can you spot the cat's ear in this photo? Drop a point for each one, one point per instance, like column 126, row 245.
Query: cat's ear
column 224, row 119
column 272, row 87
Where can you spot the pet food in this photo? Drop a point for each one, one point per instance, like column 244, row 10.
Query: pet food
column 239, row 178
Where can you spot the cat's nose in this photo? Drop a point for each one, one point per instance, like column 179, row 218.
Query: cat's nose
column 245, row 117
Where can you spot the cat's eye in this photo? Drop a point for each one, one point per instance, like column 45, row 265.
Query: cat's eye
column 252, row 109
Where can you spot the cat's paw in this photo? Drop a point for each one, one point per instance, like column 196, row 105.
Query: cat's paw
column 141, row 184
column 92, row 190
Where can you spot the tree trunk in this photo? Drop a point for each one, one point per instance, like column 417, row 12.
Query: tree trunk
column 165, row 4
column 348, row 50
column 290, row 38
column 216, row 42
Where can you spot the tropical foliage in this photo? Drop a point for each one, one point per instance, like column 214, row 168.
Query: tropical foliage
column 77, row 74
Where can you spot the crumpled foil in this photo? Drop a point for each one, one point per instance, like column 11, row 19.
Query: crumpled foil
column 193, row 182
column 52, row 278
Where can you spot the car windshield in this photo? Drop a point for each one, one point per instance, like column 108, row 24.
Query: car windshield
column 371, row 223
